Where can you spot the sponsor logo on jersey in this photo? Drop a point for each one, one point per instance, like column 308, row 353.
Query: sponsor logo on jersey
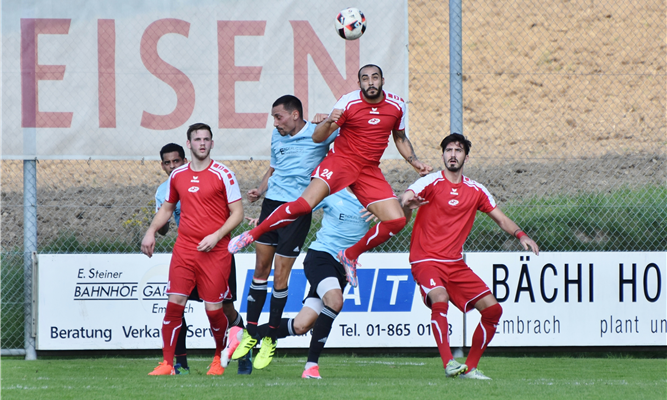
column 454, row 192
column 195, row 179
column 453, row 202
column 193, row 189
column 374, row 121
column 374, row 110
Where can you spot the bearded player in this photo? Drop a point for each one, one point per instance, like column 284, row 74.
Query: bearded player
column 366, row 118
column 210, row 208
column 448, row 202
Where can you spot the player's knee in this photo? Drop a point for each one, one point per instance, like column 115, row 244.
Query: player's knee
column 438, row 295
column 302, row 327
column 333, row 300
column 492, row 313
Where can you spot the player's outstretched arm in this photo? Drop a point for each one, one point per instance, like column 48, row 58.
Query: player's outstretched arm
column 404, row 147
column 234, row 219
column 325, row 128
column 513, row 229
column 409, row 200
column 255, row 194
column 161, row 218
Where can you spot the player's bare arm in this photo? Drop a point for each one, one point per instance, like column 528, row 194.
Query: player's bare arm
column 509, row 226
column 404, row 147
column 235, row 218
column 255, row 194
column 325, row 128
column 161, row 217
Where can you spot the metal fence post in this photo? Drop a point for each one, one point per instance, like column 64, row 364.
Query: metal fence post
column 29, row 246
column 455, row 67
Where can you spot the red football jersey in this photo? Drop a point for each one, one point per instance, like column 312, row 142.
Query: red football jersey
column 443, row 225
column 204, row 197
column 365, row 128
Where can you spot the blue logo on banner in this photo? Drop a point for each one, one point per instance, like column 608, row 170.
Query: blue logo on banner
column 394, row 291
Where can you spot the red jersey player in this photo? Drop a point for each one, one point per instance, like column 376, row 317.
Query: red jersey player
column 448, row 202
column 210, row 208
column 366, row 118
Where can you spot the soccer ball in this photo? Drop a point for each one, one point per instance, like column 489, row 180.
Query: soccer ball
column 350, row 23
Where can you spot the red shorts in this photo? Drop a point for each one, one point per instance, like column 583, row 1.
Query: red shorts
column 365, row 180
column 208, row 271
column 462, row 284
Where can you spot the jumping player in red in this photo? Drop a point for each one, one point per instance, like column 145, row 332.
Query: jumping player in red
column 210, row 208
column 448, row 202
column 365, row 117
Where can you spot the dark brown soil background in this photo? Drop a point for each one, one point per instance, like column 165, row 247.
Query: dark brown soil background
column 560, row 98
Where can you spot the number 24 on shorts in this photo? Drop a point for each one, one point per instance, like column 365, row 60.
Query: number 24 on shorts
column 326, row 173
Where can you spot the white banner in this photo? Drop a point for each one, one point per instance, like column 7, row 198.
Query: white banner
column 118, row 302
column 118, row 80
column 575, row 299
column 556, row 299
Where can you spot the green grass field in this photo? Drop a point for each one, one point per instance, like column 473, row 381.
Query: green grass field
column 354, row 377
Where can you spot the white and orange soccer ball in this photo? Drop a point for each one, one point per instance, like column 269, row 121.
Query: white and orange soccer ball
column 350, row 23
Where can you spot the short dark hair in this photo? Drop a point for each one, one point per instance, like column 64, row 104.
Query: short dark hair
column 367, row 66
column 198, row 126
column 290, row 103
column 170, row 148
column 456, row 137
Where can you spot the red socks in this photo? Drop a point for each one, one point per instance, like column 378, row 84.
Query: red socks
column 378, row 234
column 282, row 216
column 483, row 334
column 171, row 326
column 219, row 324
column 440, row 330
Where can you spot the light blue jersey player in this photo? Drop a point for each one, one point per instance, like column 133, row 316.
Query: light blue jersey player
column 342, row 225
column 293, row 159
column 294, row 156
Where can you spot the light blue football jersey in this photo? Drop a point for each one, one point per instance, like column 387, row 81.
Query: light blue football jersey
column 342, row 225
column 294, row 158
column 160, row 195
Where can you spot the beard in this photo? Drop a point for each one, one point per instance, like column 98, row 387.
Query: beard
column 372, row 97
column 455, row 168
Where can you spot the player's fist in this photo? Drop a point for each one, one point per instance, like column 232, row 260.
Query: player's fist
column 254, row 195
column 335, row 115
column 319, row 117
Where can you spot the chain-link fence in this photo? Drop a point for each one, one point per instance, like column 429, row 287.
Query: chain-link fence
column 564, row 103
